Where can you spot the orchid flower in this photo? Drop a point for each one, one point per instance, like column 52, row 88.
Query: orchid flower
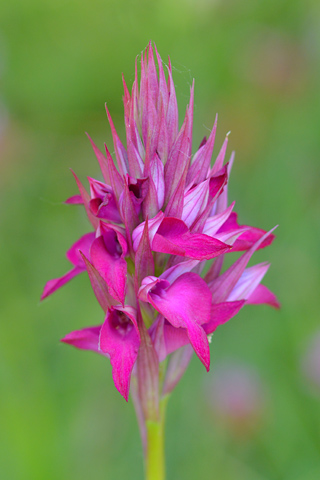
column 157, row 216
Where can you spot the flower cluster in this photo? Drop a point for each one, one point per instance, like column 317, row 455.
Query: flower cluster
column 157, row 217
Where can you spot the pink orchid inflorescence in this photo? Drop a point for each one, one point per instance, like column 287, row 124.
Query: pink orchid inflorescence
column 157, row 217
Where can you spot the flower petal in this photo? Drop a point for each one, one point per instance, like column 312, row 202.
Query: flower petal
column 187, row 304
column 222, row 286
column 107, row 255
column 247, row 283
column 263, row 295
column 174, row 237
column 120, row 338
column 84, row 243
column 144, row 263
column 99, row 286
column 85, row 339
column 221, row 313
column 249, row 237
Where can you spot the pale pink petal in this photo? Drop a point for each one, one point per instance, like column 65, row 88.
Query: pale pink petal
column 247, row 283
column 214, row 223
column 195, row 201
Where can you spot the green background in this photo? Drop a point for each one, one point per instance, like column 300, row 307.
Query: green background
column 256, row 63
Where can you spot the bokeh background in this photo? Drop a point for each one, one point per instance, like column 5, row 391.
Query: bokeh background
column 256, row 415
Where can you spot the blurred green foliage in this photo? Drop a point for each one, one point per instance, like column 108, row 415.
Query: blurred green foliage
column 257, row 64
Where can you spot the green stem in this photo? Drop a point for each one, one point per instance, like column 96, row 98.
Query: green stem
column 155, row 461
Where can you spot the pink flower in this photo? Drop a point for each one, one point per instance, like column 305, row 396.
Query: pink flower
column 159, row 214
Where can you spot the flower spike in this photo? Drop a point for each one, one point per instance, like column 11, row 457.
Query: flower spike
column 160, row 211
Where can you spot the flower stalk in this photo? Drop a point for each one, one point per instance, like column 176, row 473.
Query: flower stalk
column 155, row 457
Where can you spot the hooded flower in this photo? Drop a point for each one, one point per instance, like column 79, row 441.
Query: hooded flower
column 160, row 213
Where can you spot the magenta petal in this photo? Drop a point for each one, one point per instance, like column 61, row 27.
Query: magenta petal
column 222, row 286
column 199, row 341
column 120, row 338
column 84, row 243
column 218, row 181
column 99, row 286
column 187, row 304
column 173, row 237
column 166, row 338
column 52, row 285
column 74, row 200
column 138, row 189
column 249, row 237
column 221, row 313
column 103, row 203
column 262, row 294
column 128, row 212
column 107, row 257
column 85, row 339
